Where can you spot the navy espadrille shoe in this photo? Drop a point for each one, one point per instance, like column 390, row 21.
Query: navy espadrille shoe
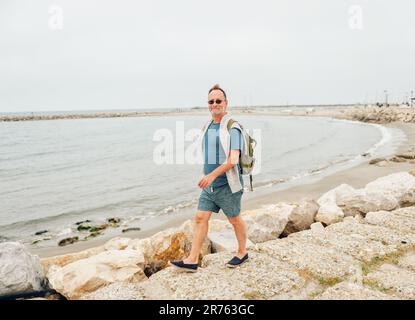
column 236, row 262
column 187, row 267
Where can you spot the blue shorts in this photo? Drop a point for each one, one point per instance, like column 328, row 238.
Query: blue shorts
column 214, row 199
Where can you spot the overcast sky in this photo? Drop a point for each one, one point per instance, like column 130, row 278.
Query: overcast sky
column 144, row 54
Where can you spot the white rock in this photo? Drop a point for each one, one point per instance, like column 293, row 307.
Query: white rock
column 400, row 185
column 87, row 275
column 362, row 203
column 65, row 259
column 20, row 271
column 399, row 219
column 317, row 227
column 331, row 197
column 268, row 222
column 167, row 245
column 329, row 212
column 301, row 217
column 226, row 241
column 344, row 191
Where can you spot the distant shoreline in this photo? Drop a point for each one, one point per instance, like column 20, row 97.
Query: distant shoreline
column 91, row 114
column 340, row 111
column 36, row 117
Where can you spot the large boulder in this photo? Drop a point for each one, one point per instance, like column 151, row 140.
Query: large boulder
column 226, row 241
column 329, row 212
column 268, row 222
column 170, row 244
column 141, row 256
column 301, row 217
column 222, row 236
column 400, row 185
column 20, row 271
column 63, row 260
column 117, row 243
column 362, row 202
column 385, row 193
column 87, row 275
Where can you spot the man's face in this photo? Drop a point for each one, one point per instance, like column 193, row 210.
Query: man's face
column 219, row 105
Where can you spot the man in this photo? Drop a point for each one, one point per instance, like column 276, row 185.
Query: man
column 222, row 184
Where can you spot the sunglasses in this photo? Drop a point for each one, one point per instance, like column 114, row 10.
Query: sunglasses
column 218, row 101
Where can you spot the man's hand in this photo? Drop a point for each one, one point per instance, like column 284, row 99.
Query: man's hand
column 232, row 160
column 206, row 181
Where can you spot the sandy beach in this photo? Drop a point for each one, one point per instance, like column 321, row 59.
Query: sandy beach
column 310, row 187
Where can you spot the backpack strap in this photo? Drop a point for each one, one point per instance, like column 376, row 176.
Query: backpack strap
column 250, row 182
column 230, row 123
column 229, row 126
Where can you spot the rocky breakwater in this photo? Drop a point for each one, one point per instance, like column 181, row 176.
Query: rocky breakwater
column 379, row 114
column 338, row 250
column 120, row 260
column 33, row 117
column 348, row 244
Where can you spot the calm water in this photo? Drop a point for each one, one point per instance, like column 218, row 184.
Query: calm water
column 55, row 173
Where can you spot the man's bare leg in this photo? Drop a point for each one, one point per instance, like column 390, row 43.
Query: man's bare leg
column 199, row 235
column 240, row 231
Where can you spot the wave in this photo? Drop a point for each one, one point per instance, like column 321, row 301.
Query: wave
column 74, row 213
column 86, row 212
column 177, row 207
column 386, row 136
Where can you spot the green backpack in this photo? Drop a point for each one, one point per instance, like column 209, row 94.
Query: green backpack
column 246, row 159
